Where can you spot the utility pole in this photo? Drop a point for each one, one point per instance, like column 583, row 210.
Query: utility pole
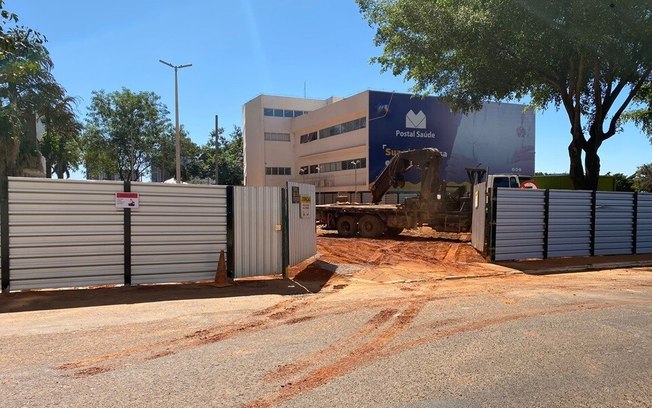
column 217, row 151
column 176, row 110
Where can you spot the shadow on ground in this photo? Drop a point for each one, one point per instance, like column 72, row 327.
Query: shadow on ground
column 308, row 277
column 74, row 298
column 313, row 276
column 407, row 236
column 578, row 264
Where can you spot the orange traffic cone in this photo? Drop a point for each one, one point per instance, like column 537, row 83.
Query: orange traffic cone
column 221, row 281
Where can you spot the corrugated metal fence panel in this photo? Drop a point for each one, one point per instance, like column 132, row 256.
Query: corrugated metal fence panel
column 257, row 231
column 569, row 223
column 479, row 218
column 644, row 225
column 303, row 237
column 520, row 224
column 177, row 232
column 614, row 223
column 64, row 233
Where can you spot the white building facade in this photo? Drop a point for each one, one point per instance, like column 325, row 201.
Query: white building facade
column 342, row 144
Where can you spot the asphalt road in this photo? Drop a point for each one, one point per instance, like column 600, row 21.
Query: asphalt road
column 567, row 340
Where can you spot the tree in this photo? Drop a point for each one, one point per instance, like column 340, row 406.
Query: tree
column 164, row 160
column 230, row 157
column 623, row 182
column 28, row 91
column 589, row 58
column 124, row 130
column 25, row 68
column 61, row 144
column 643, row 178
column 643, row 116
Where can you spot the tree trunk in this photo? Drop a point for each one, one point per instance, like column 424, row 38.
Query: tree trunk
column 592, row 165
column 576, row 170
column 592, row 160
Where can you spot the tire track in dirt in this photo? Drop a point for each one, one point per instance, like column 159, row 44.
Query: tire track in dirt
column 358, row 357
column 378, row 347
column 270, row 317
column 451, row 254
column 507, row 318
column 337, row 347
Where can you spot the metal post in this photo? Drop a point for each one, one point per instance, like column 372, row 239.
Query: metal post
column 127, row 238
column 176, row 114
column 177, row 141
column 4, row 233
column 217, row 151
column 355, row 178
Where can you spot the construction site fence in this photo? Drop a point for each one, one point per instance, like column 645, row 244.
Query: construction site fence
column 542, row 224
column 72, row 233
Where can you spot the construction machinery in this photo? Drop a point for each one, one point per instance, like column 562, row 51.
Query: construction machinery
column 434, row 206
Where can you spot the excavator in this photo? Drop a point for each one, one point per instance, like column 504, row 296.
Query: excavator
column 432, row 207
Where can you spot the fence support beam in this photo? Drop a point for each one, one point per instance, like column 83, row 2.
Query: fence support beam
column 285, row 231
column 546, row 222
column 594, row 204
column 127, row 238
column 230, row 234
column 4, row 233
column 635, row 225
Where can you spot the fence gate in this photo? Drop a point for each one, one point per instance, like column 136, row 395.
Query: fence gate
column 301, row 222
column 479, row 217
column 257, row 231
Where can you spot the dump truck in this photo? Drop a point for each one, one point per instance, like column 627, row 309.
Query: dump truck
column 434, row 206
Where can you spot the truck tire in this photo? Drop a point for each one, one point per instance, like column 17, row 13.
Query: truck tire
column 347, row 226
column 393, row 231
column 371, row 226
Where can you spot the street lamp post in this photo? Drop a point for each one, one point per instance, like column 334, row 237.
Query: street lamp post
column 176, row 114
column 355, row 177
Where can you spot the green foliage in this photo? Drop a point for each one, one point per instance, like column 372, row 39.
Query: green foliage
column 164, row 159
column 623, row 182
column 642, row 179
column 123, row 133
column 643, row 116
column 589, row 58
column 27, row 91
column 230, row 159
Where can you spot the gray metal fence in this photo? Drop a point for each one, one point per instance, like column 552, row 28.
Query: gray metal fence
column 177, row 233
column 301, row 222
column 556, row 223
column 64, row 233
column 61, row 233
column 258, row 238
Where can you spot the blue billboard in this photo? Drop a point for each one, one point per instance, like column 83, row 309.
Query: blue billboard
column 499, row 137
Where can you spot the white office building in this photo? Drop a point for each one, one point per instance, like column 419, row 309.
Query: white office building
column 342, row 144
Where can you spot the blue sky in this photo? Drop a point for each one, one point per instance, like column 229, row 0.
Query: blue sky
column 243, row 48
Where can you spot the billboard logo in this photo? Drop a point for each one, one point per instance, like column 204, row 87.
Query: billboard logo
column 415, row 120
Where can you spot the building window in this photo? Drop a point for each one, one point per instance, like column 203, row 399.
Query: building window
column 354, row 164
column 360, row 163
column 283, row 113
column 335, row 130
column 345, row 127
column 278, row 171
column 308, row 137
column 277, row 137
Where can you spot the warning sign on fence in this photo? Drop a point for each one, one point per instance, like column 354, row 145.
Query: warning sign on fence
column 127, row 200
column 305, row 206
